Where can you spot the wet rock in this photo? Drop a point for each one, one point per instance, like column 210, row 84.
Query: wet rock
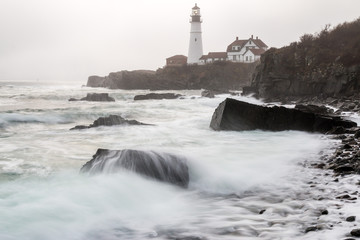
column 357, row 134
column 311, row 229
column 337, row 130
column 156, row 165
column 324, row 212
column 344, row 169
column 95, row 97
column 355, row 232
column 351, row 219
column 208, row 94
column 157, row 96
column 236, row 115
column 109, row 121
column 346, row 196
column 347, row 146
column 262, row 211
column 314, row 109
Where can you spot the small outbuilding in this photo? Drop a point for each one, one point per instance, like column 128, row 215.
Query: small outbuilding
column 177, row 60
column 213, row 57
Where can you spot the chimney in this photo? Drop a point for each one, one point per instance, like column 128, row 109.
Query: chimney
column 252, row 36
column 256, row 37
column 237, row 38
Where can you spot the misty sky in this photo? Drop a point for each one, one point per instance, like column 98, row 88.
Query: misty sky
column 68, row 40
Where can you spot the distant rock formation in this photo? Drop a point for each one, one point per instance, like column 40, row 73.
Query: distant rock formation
column 236, row 115
column 157, row 96
column 215, row 76
column 109, row 121
column 208, row 94
column 323, row 66
column 160, row 166
column 95, row 97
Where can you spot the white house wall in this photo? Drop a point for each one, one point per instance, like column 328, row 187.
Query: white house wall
column 250, row 56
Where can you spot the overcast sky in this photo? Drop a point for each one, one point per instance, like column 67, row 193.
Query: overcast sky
column 68, row 40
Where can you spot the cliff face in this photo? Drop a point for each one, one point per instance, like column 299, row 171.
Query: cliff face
column 216, row 76
column 326, row 65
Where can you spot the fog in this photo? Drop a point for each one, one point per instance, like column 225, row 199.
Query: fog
column 68, row 40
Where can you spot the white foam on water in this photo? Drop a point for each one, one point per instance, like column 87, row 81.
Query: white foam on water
column 233, row 175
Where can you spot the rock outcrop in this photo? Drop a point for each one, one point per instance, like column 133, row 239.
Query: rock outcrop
column 160, row 166
column 236, row 115
column 321, row 66
column 217, row 76
column 109, row 121
column 95, row 97
column 157, row 96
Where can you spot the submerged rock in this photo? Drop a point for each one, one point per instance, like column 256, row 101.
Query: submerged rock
column 95, row 97
column 157, row 96
column 236, row 115
column 109, row 121
column 160, row 166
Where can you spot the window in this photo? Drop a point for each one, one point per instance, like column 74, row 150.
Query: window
column 247, row 58
column 234, row 58
column 250, row 58
column 195, row 39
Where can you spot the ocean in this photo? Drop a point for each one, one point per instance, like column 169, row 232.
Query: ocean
column 243, row 185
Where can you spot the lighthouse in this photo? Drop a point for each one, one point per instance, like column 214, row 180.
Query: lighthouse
column 195, row 45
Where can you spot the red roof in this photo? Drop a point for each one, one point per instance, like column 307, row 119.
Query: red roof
column 241, row 43
column 177, row 57
column 214, row 55
column 196, row 7
column 259, row 43
column 257, row 51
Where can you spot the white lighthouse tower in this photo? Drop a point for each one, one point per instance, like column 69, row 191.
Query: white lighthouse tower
column 195, row 46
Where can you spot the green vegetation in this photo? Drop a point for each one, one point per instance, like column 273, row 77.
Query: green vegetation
column 340, row 44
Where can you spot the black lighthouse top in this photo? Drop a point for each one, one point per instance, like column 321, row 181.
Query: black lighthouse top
column 195, row 14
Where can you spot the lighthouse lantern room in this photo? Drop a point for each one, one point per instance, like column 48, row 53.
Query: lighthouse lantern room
column 195, row 45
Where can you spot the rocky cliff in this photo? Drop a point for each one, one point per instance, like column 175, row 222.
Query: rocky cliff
column 216, row 76
column 323, row 65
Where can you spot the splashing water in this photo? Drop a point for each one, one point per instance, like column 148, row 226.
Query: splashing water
column 233, row 175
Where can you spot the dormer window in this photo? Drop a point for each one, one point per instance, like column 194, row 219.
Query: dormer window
column 250, row 42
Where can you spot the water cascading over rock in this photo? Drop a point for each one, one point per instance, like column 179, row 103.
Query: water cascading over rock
column 160, row 166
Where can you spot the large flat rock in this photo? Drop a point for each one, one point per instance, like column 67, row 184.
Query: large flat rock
column 236, row 115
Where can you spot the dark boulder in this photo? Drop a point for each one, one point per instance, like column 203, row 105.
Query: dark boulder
column 109, row 121
column 95, row 97
column 236, row 115
column 355, row 232
column 160, row 166
column 157, row 96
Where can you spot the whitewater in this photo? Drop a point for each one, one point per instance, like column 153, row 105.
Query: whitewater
column 243, row 185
